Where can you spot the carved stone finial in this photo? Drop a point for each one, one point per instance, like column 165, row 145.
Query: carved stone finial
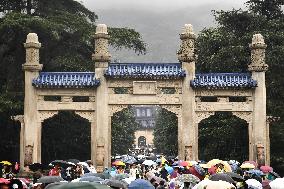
column 101, row 28
column 32, row 46
column 258, row 47
column 101, row 55
column 186, row 51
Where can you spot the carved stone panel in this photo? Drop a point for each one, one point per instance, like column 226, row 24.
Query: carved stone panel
column 199, row 116
column 145, row 87
column 188, row 153
column 86, row 115
column 116, row 108
column 247, row 116
column 43, row 115
column 173, row 108
column 28, row 155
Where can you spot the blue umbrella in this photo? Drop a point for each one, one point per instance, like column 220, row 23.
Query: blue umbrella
column 140, row 184
column 169, row 169
column 256, row 172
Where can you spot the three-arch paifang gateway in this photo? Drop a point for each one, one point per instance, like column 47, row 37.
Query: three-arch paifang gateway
column 144, row 84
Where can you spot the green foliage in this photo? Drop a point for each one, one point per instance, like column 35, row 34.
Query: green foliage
column 65, row 29
column 166, row 133
column 66, row 136
column 231, row 134
column 123, row 127
column 225, row 49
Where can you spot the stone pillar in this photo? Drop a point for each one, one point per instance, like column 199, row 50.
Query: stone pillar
column 187, row 139
column 31, row 69
column 103, row 125
column 258, row 69
column 20, row 118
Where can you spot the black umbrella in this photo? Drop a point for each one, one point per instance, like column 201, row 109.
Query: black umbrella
column 91, row 179
column 60, row 163
column 35, row 166
column 49, row 179
column 221, row 176
column 101, row 175
column 115, row 183
column 235, row 176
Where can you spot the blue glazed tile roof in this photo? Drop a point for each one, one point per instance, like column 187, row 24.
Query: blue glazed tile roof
column 145, row 70
column 223, row 80
column 66, row 80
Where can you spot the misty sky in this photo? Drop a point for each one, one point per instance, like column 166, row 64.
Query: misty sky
column 158, row 21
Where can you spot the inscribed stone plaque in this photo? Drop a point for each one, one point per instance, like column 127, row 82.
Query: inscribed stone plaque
column 145, row 87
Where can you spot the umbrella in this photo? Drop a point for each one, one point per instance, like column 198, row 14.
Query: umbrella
column 118, row 163
column 276, row 183
column 188, row 178
column 254, row 184
column 169, row 169
column 149, row 162
column 49, row 179
column 191, row 163
column 129, row 180
column 116, row 183
column 101, row 175
column 219, row 185
column 202, row 184
column 251, row 162
column 275, row 174
column 91, row 179
column 221, row 176
column 61, row 163
column 255, row 172
column 265, row 183
column 4, row 181
column 236, row 177
column 214, row 162
column 183, row 163
column 199, row 169
column 6, row 163
column 35, row 166
column 75, row 161
column 54, row 185
column 266, row 169
column 129, row 159
column 120, row 176
column 140, row 184
column 81, row 185
column 247, row 166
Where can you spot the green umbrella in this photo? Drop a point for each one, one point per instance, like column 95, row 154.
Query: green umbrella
column 81, row 185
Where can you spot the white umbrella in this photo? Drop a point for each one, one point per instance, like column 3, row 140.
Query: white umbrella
column 149, row 162
column 254, row 184
column 278, row 183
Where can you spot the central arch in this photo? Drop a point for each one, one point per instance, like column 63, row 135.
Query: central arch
column 74, row 144
column 224, row 136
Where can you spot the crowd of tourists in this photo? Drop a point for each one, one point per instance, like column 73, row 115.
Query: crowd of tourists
column 140, row 172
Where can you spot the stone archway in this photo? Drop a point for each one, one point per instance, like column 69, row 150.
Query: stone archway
column 223, row 136
column 59, row 141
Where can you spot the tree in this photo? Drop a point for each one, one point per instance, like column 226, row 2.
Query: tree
column 165, row 133
column 230, row 132
column 225, row 49
column 65, row 29
column 123, row 127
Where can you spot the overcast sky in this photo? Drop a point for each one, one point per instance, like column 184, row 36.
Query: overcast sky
column 158, row 5
column 158, row 21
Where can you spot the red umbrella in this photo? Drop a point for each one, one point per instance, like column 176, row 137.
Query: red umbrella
column 4, row 181
column 266, row 169
column 183, row 163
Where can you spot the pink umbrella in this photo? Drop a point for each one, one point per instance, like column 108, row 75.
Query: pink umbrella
column 4, row 181
column 266, row 169
column 183, row 163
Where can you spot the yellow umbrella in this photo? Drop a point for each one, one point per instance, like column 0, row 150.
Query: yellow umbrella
column 191, row 163
column 214, row 162
column 247, row 166
column 118, row 163
column 6, row 163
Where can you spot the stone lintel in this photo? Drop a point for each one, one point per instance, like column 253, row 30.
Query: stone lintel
column 224, row 106
column 129, row 99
